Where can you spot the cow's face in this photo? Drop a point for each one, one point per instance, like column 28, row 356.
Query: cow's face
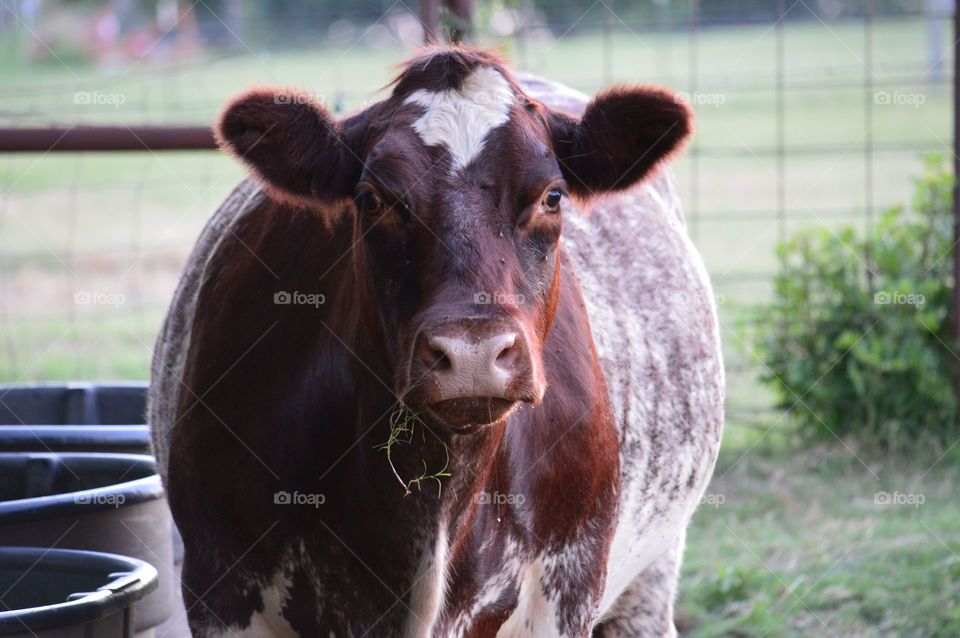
column 459, row 184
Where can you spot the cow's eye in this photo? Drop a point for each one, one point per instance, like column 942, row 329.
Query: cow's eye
column 368, row 201
column 551, row 203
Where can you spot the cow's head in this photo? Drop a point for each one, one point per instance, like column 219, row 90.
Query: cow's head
column 458, row 183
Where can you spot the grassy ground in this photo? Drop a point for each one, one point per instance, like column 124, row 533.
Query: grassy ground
column 798, row 546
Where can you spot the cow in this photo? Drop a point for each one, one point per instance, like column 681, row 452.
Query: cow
column 447, row 366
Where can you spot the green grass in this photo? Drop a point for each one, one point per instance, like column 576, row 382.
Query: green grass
column 799, row 547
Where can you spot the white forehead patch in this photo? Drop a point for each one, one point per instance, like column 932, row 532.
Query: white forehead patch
column 461, row 118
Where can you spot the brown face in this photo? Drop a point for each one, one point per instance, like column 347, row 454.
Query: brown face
column 464, row 262
column 459, row 184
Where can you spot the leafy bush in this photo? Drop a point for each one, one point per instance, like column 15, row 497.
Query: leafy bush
column 858, row 339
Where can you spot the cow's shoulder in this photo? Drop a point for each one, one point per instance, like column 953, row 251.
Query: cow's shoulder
column 173, row 341
column 252, row 254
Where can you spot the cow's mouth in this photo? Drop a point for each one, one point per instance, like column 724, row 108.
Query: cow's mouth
column 470, row 414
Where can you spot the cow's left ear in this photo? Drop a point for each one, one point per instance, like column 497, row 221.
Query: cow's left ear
column 623, row 134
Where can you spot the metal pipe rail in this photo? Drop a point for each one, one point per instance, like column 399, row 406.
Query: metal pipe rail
column 106, row 138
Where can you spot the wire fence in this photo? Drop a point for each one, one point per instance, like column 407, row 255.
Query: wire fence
column 803, row 119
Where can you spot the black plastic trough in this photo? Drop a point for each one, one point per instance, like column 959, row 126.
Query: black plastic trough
column 54, row 593
column 102, row 502
column 49, row 417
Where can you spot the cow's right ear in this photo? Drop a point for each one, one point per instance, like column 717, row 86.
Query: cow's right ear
column 292, row 143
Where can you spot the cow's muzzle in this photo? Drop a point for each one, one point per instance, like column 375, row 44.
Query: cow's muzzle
column 471, row 372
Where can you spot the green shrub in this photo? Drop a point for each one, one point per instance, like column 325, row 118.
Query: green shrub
column 858, row 339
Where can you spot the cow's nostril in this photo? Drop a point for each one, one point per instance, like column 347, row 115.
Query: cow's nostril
column 508, row 356
column 440, row 360
column 434, row 356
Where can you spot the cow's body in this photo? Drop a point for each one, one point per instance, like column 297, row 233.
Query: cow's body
column 568, row 517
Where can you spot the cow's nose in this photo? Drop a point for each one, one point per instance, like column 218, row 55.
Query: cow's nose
column 464, row 364
column 492, row 355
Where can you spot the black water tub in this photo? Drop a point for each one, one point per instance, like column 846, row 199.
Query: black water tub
column 59, row 593
column 94, row 501
column 76, row 417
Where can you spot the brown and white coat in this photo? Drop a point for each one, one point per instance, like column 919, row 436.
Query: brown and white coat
column 578, row 416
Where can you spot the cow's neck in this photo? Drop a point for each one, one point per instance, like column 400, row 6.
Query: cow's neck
column 518, row 497
column 439, row 487
column 472, row 462
column 518, row 494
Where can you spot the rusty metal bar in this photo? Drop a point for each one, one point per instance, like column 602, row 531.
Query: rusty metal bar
column 106, row 138
column 189, row 138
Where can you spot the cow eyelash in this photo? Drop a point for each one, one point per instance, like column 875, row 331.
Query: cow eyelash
column 542, row 207
column 369, row 201
column 551, row 200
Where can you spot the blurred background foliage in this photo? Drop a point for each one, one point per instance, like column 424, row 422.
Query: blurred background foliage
column 107, row 31
column 864, row 325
